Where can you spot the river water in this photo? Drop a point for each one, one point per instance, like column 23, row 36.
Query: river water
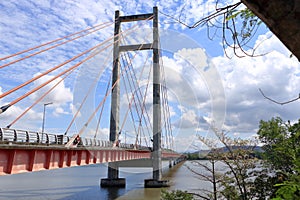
column 78, row 183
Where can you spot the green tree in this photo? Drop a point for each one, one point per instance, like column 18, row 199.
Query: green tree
column 239, row 24
column 282, row 17
column 282, row 154
column 237, row 155
column 275, row 135
column 176, row 195
column 276, row 176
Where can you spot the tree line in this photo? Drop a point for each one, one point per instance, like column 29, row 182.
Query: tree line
column 273, row 173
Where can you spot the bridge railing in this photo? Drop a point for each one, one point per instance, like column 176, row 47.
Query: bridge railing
column 8, row 135
column 21, row 136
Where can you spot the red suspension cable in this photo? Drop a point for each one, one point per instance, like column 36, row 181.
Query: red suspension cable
column 104, row 99
column 86, row 96
column 49, row 48
column 39, row 99
column 53, row 41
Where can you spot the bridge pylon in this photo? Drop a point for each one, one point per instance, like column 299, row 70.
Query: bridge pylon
column 156, row 154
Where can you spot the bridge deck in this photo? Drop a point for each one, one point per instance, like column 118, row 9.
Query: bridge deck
column 23, row 151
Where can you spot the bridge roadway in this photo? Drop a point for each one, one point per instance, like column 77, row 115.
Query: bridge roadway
column 25, row 151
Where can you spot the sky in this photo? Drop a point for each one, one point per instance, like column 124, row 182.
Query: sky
column 205, row 87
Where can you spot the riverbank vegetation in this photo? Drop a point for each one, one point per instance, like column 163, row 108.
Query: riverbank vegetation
column 274, row 174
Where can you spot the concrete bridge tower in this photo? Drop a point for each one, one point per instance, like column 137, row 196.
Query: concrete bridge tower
column 113, row 172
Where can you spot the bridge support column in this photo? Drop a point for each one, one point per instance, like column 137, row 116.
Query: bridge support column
column 156, row 154
column 113, row 179
column 113, row 172
column 170, row 163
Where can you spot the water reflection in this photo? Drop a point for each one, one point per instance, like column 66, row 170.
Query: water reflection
column 142, row 194
column 84, row 183
column 114, row 193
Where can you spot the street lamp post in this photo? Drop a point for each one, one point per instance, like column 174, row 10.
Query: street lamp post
column 43, row 125
column 125, row 136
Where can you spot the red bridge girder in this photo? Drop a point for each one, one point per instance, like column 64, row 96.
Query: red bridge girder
column 23, row 158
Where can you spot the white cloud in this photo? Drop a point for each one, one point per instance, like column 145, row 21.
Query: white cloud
column 188, row 11
column 102, row 133
column 59, row 96
column 187, row 90
column 275, row 73
column 189, row 119
column 187, row 142
column 59, row 110
column 27, row 122
column 74, row 110
column 10, row 115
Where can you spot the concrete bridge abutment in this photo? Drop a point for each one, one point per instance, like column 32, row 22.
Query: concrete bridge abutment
column 113, row 179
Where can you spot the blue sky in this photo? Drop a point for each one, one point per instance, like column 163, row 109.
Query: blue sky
column 204, row 88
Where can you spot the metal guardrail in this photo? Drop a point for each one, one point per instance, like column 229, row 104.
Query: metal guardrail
column 30, row 137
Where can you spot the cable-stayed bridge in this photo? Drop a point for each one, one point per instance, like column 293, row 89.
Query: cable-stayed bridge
column 128, row 91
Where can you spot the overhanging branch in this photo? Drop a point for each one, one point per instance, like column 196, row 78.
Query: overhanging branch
column 237, row 40
column 277, row 102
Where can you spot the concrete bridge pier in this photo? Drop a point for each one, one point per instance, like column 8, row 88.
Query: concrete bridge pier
column 156, row 181
column 170, row 163
column 113, row 179
column 157, row 151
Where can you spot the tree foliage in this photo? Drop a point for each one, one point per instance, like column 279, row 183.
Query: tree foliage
column 237, row 156
column 282, row 18
column 275, row 135
column 275, row 176
column 237, row 25
column 282, row 153
column 225, row 21
column 176, row 195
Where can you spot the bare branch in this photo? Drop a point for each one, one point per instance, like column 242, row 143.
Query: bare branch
column 202, row 177
column 204, row 166
column 219, row 11
column 237, row 41
column 277, row 102
column 199, row 195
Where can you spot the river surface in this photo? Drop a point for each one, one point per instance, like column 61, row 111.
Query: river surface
column 78, row 183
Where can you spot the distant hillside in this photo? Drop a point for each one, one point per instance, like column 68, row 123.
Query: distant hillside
column 201, row 154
